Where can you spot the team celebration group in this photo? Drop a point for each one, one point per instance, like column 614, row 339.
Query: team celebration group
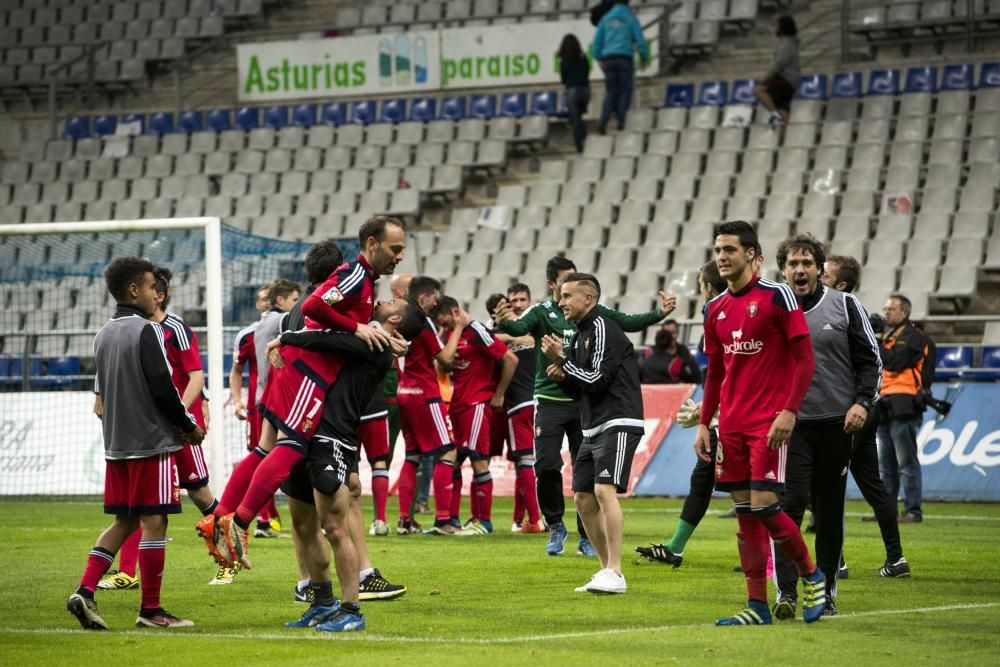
column 793, row 379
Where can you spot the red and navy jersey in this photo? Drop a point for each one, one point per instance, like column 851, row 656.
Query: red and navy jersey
column 418, row 381
column 475, row 367
column 243, row 354
column 182, row 354
column 346, row 298
column 752, row 330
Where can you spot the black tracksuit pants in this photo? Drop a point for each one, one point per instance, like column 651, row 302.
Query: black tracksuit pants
column 702, row 485
column 553, row 421
column 864, row 469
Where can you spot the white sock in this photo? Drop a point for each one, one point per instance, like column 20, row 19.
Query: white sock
column 365, row 573
column 302, row 585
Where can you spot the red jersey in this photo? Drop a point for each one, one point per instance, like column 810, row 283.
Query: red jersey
column 475, row 368
column 182, row 353
column 751, row 330
column 243, row 354
column 346, row 299
column 418, row 381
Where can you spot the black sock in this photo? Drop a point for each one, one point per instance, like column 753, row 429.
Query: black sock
column 351, row 608
column 210, row 509
column 85, row 593
column 147, row 613
column 323, row 594
column 245, row 525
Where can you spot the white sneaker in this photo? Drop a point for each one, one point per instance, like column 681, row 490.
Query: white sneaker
column 515, row 527
column 586, row 586
column 378, row 528
column 606, row 582
column 774, row 120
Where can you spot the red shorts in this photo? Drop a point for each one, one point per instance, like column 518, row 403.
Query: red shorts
column 374, row 437
column 472, row 430
column 254, row 424
column 293, row 402
column 142, row 486
column 192, row 472
column 744, row 461
column 521, row 433
column 426, row 427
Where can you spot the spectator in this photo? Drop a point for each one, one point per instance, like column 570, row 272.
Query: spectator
column 669, row 362
column 778, row 86
column 574, row 68
column 618, row 35
column 673, row 327
column 902, row 350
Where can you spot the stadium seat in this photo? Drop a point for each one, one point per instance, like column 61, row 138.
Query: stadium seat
column 276, row 117
column 362, row 112
column 713, row 93
column 483, row 106
column 304, row 115
column 248, row 118
column 545, row 103
column 190, row 121
column 453, row 108
column 956, row 77
column 218, row 120
column 333, row 113
column 846, row 84
column 989, row 359
column 989, row 75
column 811, row 87
column 77, row 127
column 921, row 80
column 742, row 92
column 513, row 105
column 393, row 111
column 679, row 95
column 952, row 362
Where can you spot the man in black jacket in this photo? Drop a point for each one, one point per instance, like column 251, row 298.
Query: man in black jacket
column 602, row 373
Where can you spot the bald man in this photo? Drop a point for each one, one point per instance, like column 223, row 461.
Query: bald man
column 400, row 285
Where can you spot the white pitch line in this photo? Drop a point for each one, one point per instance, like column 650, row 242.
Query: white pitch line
column 677, row 510
column 362, row 637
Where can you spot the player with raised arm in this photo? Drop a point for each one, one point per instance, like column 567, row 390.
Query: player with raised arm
column 557, row 416
column 760, row 364
column 144, row 424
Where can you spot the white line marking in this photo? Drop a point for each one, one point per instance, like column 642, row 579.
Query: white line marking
column 319, row 636
column 677, row 510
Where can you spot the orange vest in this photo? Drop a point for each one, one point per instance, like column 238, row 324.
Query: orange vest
column 906, row 381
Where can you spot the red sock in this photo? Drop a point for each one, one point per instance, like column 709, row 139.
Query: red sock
column 526, row 478
column 442, row 489
column 483, row 493
column 754, row 548
column 787, row 537
column 268, row 477
column 128, row 555
column 98, row 563
column 407, row 487
column 380, row 491
column 455, row 507
column 239, row 482
column 152, row 554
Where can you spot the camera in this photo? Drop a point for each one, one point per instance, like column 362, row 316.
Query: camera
column 877, row 322
column 941, row 406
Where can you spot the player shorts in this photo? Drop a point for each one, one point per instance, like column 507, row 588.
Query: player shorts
column 521, row 432
column 498, row 432
column 472, row 430
column 293, row 402
column 426, row 427
column 192, row 471
column 373, row 434
column 254, row 426
column 142, row 486
column 326, row 468
column 744, row 461
column 605, row 458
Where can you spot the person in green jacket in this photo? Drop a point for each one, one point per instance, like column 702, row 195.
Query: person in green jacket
column 558, row 416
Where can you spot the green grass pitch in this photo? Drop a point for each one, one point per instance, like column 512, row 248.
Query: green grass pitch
column 499, row 600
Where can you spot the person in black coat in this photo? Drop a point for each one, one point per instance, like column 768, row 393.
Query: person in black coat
column 574, row 68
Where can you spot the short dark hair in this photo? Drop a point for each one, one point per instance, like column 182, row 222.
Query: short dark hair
column 375, row 227
column 801, row 243
column 282, row 287
column 669, row 320
column 124, row 271
column 161, row 283
column 848, row 270
column 421, row 285
column 413, row 321
column 786, row 26
column 740, row 228
column 321, row 260
column 584, row 278
column 444, row 306
column 904, row 303
column 710, row 274
column 518, row 287
column 556, row 265
column 492, row 301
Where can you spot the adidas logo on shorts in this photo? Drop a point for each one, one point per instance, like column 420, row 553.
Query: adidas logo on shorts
column 328, row 467
column 770, row 475
column 605, row 473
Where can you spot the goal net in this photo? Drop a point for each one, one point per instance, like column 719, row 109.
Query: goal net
column 53, row 300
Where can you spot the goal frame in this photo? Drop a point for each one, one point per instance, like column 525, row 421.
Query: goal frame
column 212, row 229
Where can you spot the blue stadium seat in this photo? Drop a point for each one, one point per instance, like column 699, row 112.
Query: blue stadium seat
column 61, row 367
column 990, row 359
column 77, row 127
column 921, row 80
column 483, row 106
column 141, row 119
column 105, row 125
column 304, row 115
column 989, row 75
column 742, row 92
column 393, row 111
column 219, row 120
column 423, row 109
column 247, row 118
column 363, row 112
column 811, row 87
column 700, row 358
column 4, row 368
column 190, row 121
column 161, row 123
column 713, row 93
column 334, row 113
column 956, row 77
column 951, row 361
column 679, row 95
column 883, row 82
column 15, row 369
column 544, row 103
column 453, row 108
column 514, row 105
column 276, row 117
column 846, row 84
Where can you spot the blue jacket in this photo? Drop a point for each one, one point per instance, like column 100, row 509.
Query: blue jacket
column 617, row 33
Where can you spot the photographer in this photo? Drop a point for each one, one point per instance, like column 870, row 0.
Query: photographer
column 903, row 351
column 670, row 362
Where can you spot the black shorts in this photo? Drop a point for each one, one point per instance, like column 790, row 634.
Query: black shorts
column 554, row 421
column 780, row 91
column 326, row 467
column 605, row 458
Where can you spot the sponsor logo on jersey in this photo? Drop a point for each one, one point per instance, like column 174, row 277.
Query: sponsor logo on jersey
column 332, row 296
column 740, row 346
column 307, row 424
column 752, row 308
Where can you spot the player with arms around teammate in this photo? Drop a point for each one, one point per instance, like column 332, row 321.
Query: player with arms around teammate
column 601, row 371
column 144, row 424
column 760, row 363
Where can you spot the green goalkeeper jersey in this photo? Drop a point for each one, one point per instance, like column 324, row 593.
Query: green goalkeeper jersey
column 547, row 318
